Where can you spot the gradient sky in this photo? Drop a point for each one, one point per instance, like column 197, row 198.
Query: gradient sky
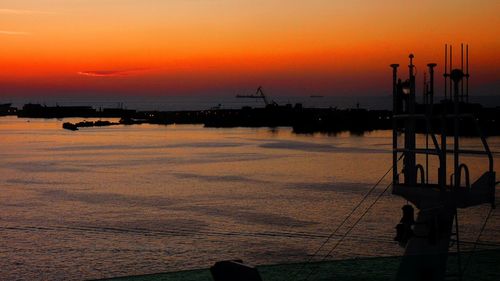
column 223, row 47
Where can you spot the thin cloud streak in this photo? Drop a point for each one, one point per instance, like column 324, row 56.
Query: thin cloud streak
column 111, row 73
column 22, row 12
column 9, row 32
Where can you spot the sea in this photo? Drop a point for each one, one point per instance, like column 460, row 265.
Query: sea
column 139, row 199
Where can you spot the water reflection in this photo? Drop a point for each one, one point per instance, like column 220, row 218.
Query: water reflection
column 123, row 200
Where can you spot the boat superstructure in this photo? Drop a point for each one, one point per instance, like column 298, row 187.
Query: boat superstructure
column 436, row 194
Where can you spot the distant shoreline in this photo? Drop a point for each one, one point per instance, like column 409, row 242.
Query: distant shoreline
column 303, row 120
column 191, row 103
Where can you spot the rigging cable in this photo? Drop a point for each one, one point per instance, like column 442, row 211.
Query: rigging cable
column 477, row 241
column 352, row 227
column 344, row 221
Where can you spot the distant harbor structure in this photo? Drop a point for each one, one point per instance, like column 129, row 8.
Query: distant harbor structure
column 259, row 94
column 7, row 109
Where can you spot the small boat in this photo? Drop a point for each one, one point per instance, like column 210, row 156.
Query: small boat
column 70, row 126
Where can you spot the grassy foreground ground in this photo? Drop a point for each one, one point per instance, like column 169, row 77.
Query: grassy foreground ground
column 482, row 266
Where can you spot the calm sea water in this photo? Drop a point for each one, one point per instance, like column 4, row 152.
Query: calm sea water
column 127, row 200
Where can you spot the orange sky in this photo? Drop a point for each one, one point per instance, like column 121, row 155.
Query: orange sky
column 181, row 47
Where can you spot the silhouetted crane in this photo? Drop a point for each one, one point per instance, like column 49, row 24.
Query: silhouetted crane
column 259, row 94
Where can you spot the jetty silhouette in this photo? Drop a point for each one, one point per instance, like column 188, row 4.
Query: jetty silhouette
column 303, row 120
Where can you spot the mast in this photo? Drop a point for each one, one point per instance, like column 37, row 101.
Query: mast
column 451, row 67
column 462, row 98
column 467, row 73
column 409, row 160
column 395, row 106
column 445, row 71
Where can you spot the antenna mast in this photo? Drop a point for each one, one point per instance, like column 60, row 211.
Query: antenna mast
column 467, row 73
column 445, row 71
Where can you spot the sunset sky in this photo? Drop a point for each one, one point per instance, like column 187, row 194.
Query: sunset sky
column 221, row 47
